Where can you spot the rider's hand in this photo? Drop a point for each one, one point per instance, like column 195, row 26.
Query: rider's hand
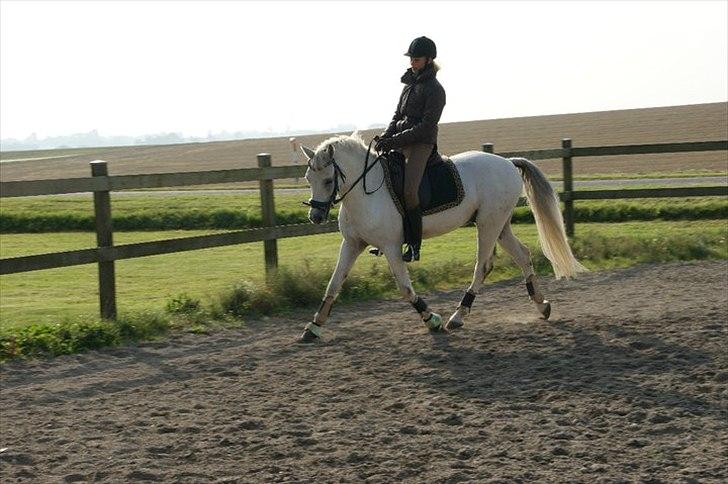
column 384, row 144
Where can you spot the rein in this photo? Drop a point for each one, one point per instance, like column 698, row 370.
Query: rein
column 338, row 172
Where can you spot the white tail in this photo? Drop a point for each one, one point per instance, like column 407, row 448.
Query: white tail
column 549, row 223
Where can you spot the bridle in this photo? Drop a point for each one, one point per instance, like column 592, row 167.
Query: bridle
column 339, row 173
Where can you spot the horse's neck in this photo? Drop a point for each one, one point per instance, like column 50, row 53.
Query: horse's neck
column 356, row 201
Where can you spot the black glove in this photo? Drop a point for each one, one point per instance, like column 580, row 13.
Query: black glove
column 384, row 144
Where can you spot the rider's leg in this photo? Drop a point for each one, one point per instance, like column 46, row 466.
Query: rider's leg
column 417, row 156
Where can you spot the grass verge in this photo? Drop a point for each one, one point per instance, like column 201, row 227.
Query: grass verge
column 300, row 285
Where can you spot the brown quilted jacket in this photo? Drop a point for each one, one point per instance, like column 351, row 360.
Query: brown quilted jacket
column 419, row 109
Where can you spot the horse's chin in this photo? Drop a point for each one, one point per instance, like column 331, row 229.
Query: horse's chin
column 316, row 218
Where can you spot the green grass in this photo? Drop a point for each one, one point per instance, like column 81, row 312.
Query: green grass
column 194, row 211
column 52, row 312
column 239, row 211
column 149, row 282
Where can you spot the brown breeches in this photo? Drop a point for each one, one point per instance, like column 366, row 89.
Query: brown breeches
column 417, row 156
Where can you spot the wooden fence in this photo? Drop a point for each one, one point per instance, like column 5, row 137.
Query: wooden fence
column 568, row 152
column 106, row 253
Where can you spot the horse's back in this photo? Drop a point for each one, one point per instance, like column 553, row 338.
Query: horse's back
column 488, row 176
column 492, row 185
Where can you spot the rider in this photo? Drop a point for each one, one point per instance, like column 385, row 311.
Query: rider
column 413, row 131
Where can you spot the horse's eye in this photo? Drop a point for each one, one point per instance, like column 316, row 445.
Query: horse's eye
column 329, row 181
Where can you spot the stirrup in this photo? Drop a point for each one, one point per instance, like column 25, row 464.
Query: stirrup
column 412, row 253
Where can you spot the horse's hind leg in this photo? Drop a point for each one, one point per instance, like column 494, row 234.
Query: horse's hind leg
column 483, row 266
column 522, row 257
column 394, row 257
column 350, row 250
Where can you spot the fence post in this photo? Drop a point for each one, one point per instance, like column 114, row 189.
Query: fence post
column 104, row 238
column 488, row 147
column 568, row 187
column 268, row 211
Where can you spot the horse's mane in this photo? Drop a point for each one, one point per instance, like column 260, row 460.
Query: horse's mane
column 353, row 144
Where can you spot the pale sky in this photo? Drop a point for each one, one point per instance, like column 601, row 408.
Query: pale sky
column 133, row 68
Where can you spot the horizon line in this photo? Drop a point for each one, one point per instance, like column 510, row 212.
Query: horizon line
column 304, row 131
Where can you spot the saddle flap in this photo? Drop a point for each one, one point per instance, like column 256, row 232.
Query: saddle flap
column 441, row 187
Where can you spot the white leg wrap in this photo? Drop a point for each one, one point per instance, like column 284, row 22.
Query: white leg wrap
column 314, row 328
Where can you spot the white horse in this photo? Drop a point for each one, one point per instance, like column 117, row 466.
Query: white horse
column 492, row 186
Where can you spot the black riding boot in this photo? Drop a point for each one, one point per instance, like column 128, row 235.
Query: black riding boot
column 412, row 234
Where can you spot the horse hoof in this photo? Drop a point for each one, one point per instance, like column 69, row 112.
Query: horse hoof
column 308, row 337
column 434, row 323
column 454, row 324
column 545, row 309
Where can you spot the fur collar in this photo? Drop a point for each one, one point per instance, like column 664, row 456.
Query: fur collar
column 427, row 73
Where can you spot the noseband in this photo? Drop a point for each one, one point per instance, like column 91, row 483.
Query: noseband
column 338, row 172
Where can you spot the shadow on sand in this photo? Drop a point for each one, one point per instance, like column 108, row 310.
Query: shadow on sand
column 611, row 363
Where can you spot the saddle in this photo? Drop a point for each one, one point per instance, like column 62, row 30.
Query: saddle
column 441, row 187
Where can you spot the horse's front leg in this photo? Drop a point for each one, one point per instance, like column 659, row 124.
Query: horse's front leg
column 394, row 257
column 350, row 250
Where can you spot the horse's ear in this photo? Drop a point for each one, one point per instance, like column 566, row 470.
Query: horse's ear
column 307, row 152
column 330, row 151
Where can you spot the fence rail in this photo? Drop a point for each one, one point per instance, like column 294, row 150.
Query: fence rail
column 143, row 249
column 101, row 184
column 153, row 180
column 646, row 149
column 647, row 193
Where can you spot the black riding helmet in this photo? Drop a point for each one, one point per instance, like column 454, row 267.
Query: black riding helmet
column 422, row 47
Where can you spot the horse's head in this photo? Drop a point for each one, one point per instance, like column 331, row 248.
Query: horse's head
column 326, row 176
column 323, row 177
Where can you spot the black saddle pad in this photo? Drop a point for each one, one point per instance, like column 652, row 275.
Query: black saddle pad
column 441, row 187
